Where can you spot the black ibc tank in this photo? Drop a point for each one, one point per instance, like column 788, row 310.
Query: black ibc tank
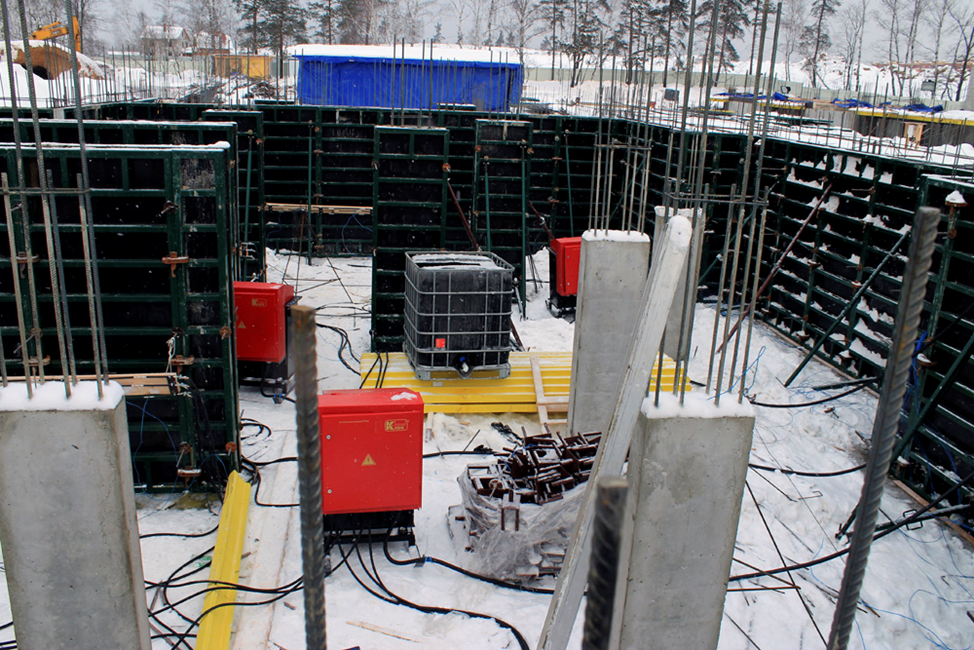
column 458, row 312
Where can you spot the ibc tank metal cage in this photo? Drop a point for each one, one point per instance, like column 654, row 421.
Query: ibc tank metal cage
column 458, row 312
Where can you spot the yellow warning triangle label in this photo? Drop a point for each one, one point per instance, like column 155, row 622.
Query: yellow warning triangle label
column 241, row 326
column 368, row 462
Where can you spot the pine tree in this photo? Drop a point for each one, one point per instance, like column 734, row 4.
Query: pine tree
column 732, row 18
column 250, row 13
column 631, row 33
column 587, row 35
column 282, row 23
column 815, row 37
column 438, row 34
column 324, row 14
column 552, row 13
column 359, row 20
column 669, row 25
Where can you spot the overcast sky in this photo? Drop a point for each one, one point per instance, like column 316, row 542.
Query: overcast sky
column 873, row 50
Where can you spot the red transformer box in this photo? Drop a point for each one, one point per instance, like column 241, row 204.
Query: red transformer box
column 263, row 337
column 566, row 253
column 371, row 456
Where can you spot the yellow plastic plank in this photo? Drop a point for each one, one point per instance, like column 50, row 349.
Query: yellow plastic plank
column 215, row 628
column 484, row 392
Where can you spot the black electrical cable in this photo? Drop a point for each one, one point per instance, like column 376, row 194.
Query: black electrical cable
column 218, row 586
column 195, row 623
column 812, row 403
column 383, row 369
column 258, row 479
column 477, row 451
column 369, row 373
column 343, row 345
column 203, row 534
column 172, row 577
column 795, row 472
column 399, row 600
column 470, row 574
column 826, row 558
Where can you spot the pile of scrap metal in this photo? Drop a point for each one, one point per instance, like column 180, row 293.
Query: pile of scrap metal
column 517, row 513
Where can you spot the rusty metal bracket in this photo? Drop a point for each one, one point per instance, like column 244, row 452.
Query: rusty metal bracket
column 225, row 332
column 179, row 362
column 173, row 259
column 22, row 262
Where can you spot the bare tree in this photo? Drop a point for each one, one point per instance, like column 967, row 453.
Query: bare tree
column 915, row 16
column 213, row 17
column 853, row 26
column 889, row 16
column 460, row 9
column 522, row 25
column 792, row 23
column 963, row 27
column 936, row 22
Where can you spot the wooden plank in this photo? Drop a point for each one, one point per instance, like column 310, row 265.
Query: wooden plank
column 134, row 385
column 319, row 209
column 215, row 628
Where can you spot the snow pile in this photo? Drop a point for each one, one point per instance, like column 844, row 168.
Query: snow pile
column 50, row 396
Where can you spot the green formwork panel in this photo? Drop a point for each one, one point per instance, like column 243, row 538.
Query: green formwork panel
column 249, row 174
column 142, row 132
column 501, row 187
column 149, row 205
column 938, row 440
column 871, row 204
column 409, row 211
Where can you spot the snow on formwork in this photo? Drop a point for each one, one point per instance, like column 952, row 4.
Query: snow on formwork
column 919, row 585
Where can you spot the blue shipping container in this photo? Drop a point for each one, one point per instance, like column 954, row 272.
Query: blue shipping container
column 407, row 83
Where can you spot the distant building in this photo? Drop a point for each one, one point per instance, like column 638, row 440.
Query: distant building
column 207, row 43
column 165, row 41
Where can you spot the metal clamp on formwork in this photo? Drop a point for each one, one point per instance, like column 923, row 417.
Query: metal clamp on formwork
column 173, row 259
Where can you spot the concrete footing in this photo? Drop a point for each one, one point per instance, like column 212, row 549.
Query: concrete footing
column 611, row 274
column 686, row 473
column 67, row 520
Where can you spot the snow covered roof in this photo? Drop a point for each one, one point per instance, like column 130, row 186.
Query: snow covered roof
column 415, row 52
column 164, row 32
column 220, row 41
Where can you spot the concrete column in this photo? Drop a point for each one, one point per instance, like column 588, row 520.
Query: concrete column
column 67, row 520
column 686, row 474
column 611, row 273
column 672, row 341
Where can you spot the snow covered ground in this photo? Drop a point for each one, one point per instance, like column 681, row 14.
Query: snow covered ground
column 917, row 592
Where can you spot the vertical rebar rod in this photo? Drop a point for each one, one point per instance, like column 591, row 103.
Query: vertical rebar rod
column 686, row 107
column 21, row 321
column 35, row 332
column 754, row 195
column 754, row 291
column 603, row 570
column 304, row 331
column 45, row 198
column 93, row 312
column 68, row 369
column 887, row 421
column 720, row 286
